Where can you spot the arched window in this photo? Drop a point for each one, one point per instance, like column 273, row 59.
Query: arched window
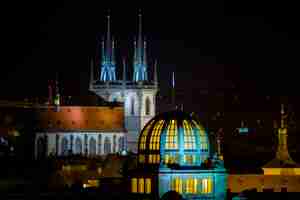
column 92, row 147
column 99, row 144
column 114, row 143
column 78, row 146
column 147, row 106
column 121, row 144
column 64, row 146
column 132, row 106
column 107, row 145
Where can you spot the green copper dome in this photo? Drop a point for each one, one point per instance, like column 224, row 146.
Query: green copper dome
column 174, row 137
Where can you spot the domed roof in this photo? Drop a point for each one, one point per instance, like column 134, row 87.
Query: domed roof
column 174, row 137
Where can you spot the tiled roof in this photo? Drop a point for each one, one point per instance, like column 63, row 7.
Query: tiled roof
column 82, row 118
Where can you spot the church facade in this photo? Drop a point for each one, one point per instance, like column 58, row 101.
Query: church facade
column 60, row 132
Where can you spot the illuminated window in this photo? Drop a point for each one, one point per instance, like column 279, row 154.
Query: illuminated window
column 148, row 185
column 203, row 144
column 177, row 185
column 200, row 129
column 191, row 186
column 171, row 159
column 144, row 135
column 155, row 137
column 92, row 147
column 141, row 185
column 189, row 137
column 189, row 159
column 142, row 158
column 107, row 145
column 121, row 143
column 65, row 146
column 154, row 158
column 171, row 138
column 134, row 185
column 78, row 146
column 206, row 186
column 147, row 106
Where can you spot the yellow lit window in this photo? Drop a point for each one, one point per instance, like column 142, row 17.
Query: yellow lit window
column 144, row 136
column 171, row 159
column 155, row 137
column 191, row 186
column 200, row 129
column 141, row 185
column 142, row 158
column 134, row 185
column 171, row 138
column 148, row 185
column 203, row 144
column 189, row 159
column 206, row 185
column 189, row 136
column 177, row 185
column 154, row 158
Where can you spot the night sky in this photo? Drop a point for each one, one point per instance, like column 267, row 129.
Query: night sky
column 212, row 45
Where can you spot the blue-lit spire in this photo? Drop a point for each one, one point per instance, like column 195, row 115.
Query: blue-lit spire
column 108, row 64
column 140, row 61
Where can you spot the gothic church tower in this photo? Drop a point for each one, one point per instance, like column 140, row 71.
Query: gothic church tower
column 137, row 95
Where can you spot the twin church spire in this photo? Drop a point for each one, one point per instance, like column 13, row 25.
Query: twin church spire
column 108, row 62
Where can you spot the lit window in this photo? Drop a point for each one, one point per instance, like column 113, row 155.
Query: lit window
column 144, row 135
column 200, row 129
column 206, row 186
column 148, row 185
column 189, row 136
column 171, row 159
column 171, row 138
column 177, row 185
column 141, row 185
column 141, row 158
column 191, row 186
column 134, row 185
column 150, row 158
column 189, row 159
column 155, row 137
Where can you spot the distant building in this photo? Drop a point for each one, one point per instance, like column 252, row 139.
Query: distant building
column 281, row 174
column 93, row 131
column 174, row 155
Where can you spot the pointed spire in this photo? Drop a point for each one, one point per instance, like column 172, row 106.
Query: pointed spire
column 103, row 52
column 140, row 56
column 155, row 73
column 57, row 95
column 108, row 39
column 135, row 51
column 282, row 121
column 145, row 53
column 173, row 90
column 113, row 52
column 124, row 71
column 173, row 80
column 108, row 66
column 140, row 37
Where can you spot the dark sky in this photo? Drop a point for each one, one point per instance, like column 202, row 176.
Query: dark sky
column 212, row 45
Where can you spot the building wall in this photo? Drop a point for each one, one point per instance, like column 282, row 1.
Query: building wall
column 54, row 143
column 135, row 113
column 241, row 182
